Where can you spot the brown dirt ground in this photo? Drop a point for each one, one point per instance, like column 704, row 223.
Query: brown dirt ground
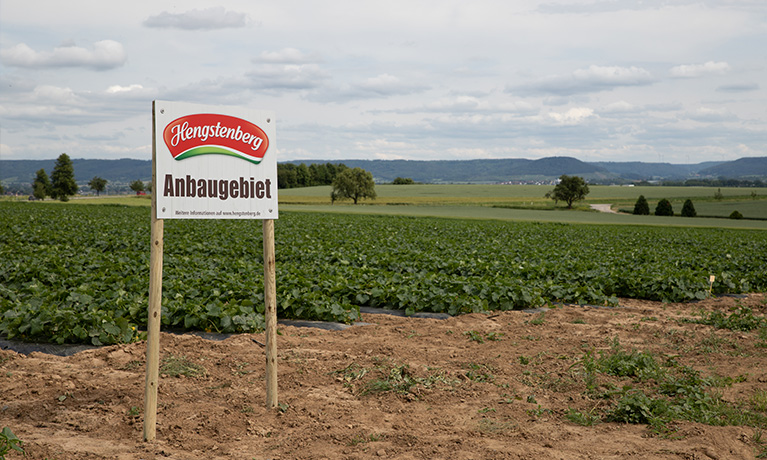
column 482, row 402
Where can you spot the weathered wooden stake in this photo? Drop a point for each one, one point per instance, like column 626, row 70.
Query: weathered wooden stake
column 270, row 299
column 155, row 309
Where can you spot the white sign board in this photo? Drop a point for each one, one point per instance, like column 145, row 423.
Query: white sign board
column 214, row 162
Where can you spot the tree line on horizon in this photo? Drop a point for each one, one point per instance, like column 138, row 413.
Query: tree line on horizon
column 291, row 175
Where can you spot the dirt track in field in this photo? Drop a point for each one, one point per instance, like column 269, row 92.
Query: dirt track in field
column 484, row 386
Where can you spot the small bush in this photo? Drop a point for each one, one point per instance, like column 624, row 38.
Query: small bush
column 736, row 215
column 641, row 208
column 688, row 210
column 664, row 208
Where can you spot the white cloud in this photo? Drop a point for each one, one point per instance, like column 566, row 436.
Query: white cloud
column 105, row 54
column 114, row 89
column 387, row 85
column 697, row 70
column 287, row 77
column 619, row 107
column 573, row 116
column 589, row 80
column 216, row 17
column 711, row 115
column 286, row 56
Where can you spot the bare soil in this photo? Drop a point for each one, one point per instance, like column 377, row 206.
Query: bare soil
column 481, row 386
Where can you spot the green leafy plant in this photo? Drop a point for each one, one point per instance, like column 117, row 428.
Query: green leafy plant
column 742, row 319
column 581, row 418
column 64, row 284
column 479, row 372
column 474, row 336
column 478, row 337
column 670, row 392
column 386, row 377
column 9, row 442
column 539, row 319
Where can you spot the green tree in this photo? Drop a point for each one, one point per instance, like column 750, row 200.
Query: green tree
column 641, row 208
column 63, row 179
column 569, row 189
column 718, row 195
column 137, row 186
column 736, row 215
column 664, row 208
column 303, row 176
column 354, row 184
column 688, row 210
column 2, row 189
column 403, row 181
column 98, row 184
column 41, row 186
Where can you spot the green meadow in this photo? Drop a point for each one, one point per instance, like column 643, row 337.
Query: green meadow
column 522, row 203
column 527, row 203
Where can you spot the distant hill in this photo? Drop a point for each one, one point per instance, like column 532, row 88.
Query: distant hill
column 750, row 167
column 476, row 171
column 637, row 170
column 121, row 172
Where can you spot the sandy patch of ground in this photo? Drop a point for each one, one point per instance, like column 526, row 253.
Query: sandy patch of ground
column 480, row 386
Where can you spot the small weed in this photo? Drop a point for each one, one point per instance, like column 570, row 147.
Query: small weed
column 9, row 442
column 132, row 365
column 636, row 364
column 494, row 336
column 480, row 373
column 759, row 401
column 283, row 407
column 474, row 336
column 134, row 412
column 579, row 321
column 638, row 408
column 524, row 360
column 743, row 319
column 485, row 410
column 351, row 373
column 494, row 426
column 247, row 410
column 362, row 439
column 761, row 445
column 579, row 418
column 241, row 369
column 762, row 337
column 174, row 366
column 712, row 344
column 538, row 411
column 539, row 320
column 396, row 378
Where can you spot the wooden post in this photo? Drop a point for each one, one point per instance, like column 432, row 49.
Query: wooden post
column 270, row 299
column 155, row 308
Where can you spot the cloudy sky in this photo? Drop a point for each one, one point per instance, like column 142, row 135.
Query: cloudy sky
column 599, row 80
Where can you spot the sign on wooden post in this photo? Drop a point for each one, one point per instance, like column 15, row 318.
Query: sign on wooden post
column 210, row 162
